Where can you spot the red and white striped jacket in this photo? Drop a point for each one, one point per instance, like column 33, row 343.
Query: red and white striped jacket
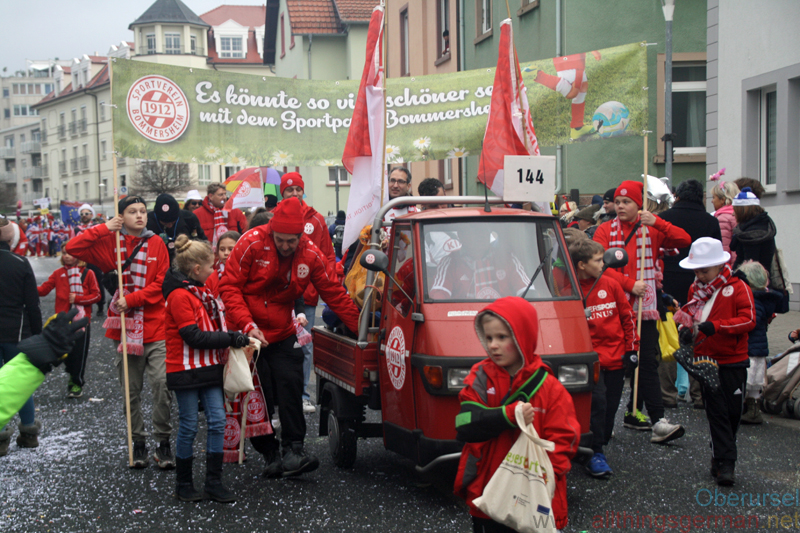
column 185, row 309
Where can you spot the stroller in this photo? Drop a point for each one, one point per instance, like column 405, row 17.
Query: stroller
column 782, row 392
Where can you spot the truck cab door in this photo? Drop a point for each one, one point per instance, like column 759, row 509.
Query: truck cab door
column 397, row 389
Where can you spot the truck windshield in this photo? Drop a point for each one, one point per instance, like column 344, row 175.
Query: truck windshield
column 481, row 260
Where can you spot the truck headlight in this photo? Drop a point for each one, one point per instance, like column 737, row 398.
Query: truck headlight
column 573, row 374
column 455, row 378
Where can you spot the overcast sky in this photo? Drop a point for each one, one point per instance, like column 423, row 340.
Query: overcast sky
column 46, row 29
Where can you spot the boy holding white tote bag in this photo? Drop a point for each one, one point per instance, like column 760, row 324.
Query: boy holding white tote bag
column 512, row 375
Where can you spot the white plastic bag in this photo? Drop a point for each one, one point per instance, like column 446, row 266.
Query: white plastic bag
column 520, row 493
column 237, row 377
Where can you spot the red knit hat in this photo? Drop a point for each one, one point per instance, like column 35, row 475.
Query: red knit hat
column 631, row 189
column 292, row 178
column 288, row 217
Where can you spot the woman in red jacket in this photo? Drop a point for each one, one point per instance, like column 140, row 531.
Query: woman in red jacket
column 197, row 345
column 143, row 304
column 717, row 319
column 626, row 231
column 76, row 286
column 512, row 373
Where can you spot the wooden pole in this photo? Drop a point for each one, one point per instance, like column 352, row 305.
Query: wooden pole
column 122, row 335
column 641, row 278
column 244, row 426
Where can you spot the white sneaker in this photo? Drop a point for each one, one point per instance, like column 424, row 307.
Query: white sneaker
column 663, row 432
column 309, row 407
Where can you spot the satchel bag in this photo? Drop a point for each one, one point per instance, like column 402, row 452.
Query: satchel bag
column 236, row 377
column 520, row 493
column 110, row 280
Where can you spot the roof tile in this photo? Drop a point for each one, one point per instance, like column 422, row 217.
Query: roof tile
column 355, row 10
column 313, row 16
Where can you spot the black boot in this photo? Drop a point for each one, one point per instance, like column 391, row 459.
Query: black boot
column 274, row 466
column 715, row 464
column 725, row 477
column 214, row 488
column 296, row 462
column 184, row 488
column 29, row 435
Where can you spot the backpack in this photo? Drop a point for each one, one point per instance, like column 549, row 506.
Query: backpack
column 779, row 280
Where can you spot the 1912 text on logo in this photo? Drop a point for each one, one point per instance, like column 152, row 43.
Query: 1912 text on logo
column 158, row 109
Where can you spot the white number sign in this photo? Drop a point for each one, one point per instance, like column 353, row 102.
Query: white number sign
column 529, row 178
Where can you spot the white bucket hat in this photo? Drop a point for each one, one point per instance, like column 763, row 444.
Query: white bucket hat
column 194, row 194
column 705, row 252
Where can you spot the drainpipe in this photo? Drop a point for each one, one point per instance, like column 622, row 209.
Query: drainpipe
column 559, row 154
column 97, row 141
column 310, row 36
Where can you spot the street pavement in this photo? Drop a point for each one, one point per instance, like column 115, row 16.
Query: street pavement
column 78, row 480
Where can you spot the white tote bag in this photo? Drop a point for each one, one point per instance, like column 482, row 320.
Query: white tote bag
column 237, row 377
column 520, row 493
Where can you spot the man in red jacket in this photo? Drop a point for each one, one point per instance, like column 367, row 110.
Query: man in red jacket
column 626, row 231
column 270, row 267
column 213, row 219
column 292, row 186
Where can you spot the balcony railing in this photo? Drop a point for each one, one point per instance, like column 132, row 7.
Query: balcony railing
column 82, row 127
column 73, row 165
column 62, row 131
column 84, row 162
column 8, row 152
column 45, row 171
column 8, row 177
column 44, row 136
column 62, row 168
column 32, row 173
column 197, row 51
column 121, row 162
column 30, row 147
column 29, row 197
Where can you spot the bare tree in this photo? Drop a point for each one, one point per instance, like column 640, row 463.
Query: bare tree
column 159, row 177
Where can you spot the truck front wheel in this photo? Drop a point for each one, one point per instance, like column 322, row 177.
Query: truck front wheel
column 341, row 437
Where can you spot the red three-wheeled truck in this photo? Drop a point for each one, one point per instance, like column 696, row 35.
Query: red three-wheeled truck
column 442, row 266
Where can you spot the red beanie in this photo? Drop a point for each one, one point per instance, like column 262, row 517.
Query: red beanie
column 288, row 217
column 631, row 189
column 292, row 178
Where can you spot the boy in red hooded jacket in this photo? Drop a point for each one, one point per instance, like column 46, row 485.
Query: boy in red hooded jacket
column 626, row 231
column 513, row 373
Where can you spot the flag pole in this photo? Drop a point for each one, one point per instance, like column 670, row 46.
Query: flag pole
column 641, row 278
column 123, row 334
column 382, row 42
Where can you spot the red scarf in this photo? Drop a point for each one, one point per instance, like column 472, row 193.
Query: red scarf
column 258, row 422
column 133, row 279
column 76, row 287
column 220, row 221
column 690, row 314
column 616, row 237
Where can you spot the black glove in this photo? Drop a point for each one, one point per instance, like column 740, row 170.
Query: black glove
column 239, row 340
column 630, row 360
column 49, row 349
column 706, row 328
column 686, row 336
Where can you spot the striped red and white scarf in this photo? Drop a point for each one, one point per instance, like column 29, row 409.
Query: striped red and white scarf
column 616, row 237
column 220, row 222
column 76, row 287
column 690, row 314
column 133, row 279
column 213, row 320
column 258, row 422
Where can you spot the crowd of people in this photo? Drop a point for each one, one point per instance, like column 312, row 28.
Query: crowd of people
column 198, row 280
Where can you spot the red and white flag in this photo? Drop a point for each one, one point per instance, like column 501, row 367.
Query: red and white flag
column 248, row 193
column 509, row 111
column 363, row 152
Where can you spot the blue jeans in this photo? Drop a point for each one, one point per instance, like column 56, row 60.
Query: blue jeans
column 27, row 415
column 308, row 350
column 214, row 406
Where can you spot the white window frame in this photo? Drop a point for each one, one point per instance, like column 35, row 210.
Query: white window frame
column 103, row 154
column 203, row 174
column 344, row 177
column 763, row 137
column 151, row 38
column 170, row 40
column 486, row 16
column 230, row 53
column 102, row 111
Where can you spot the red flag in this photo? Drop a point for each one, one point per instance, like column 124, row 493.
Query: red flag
column 363, row 152
column 508, row 112
column 249, row 193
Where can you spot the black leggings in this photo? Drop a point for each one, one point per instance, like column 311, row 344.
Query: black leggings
column 75, row 363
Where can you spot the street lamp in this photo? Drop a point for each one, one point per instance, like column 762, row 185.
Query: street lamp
column 668, row 7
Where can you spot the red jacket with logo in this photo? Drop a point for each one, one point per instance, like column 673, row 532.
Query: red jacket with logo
column 612, row 322
column 97, row 246
column 257, row 296
column 236, row 219
column 733, row 316
column 487, row 422
column 317, row 232
column 59, row 280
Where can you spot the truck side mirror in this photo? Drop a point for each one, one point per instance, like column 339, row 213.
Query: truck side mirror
column 375, row 260
column 615, row 258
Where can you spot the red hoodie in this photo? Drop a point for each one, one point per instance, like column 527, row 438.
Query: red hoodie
column 59, row 280
column 487, row 424
column 317, row 232
column 259, row 287
column 97, row 246
column 612, row 322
